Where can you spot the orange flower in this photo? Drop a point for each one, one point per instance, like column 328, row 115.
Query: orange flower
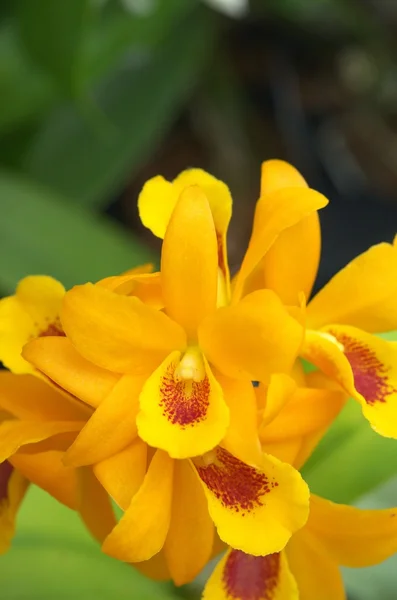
column 358, row 301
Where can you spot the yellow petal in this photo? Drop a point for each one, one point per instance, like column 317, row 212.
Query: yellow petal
column 158, row 198
column 14, row 434
column 274, row 397
column 285, row 450
column 111, row 428
column 29, row 398
column 123, row 473
column 13, row 487
column 32, row 312
column 290, row 266
column 316, row 574
column 252, row 339
column 47, row 471
column 240, row 576
column 190, row 537
column 142, row 531
column 364, row 365
column 116, row 332
column 189, row 261
column 155, row 568
column 145, row 286
column 351, row 536
column 94, row 505
column 241, row 437
column 307, row 410
column 254, row 510
column 363, row 294
column 61, row 363
column 185, row 416
column 275, row 212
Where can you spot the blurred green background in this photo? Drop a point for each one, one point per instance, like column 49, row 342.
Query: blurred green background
column 96, row 96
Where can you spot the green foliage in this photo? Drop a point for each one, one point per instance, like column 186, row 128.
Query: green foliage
column 52, row 32
column 87, row 91
column 53, row 557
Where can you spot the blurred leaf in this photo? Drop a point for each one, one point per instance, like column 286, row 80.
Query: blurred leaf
column 88, row 164
column 52, row 33
column 351, row 459
column 26, row 93
column 53, row 558
column 41, row 232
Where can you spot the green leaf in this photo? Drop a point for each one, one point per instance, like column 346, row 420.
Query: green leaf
column 351, row 459
column 27, row 93
column 41, row 232
column 54, row 558
column 52, row 33
column 89, row 164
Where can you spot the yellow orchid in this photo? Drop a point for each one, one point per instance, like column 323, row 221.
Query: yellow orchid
column 36, row 424
column 170, row 362
column 295, row 414
column 308, row 569
column 166, row 501
column 358, row 301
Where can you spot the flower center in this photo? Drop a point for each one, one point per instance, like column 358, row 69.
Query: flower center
column 191, row 367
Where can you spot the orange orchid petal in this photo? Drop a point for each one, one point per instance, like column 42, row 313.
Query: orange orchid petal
column 275, row 212
column 145, row 286
column 116, row 332
column 363, row 294
column 240, row 576
column 353, row 537
column 273, row 398
column 252, row 339
column 62, row 364
column 254, row 510
column 13, row 487
column 142, row 531
column 156, row 214
column 189, row 261
column 364, row 365
column 111, row 428
column 307, row 410
column 94, row 505
column 47, row 471
column 123, row 473
column 290, row 266
column 155, row 568
column 33, row 311
column 29, row 398
column 241, row 437
column 316, row 574
column 185, row 416
column 188, row 546
column 14, row 434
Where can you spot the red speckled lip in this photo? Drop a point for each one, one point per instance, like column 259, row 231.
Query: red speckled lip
column 236, row 485
column 6, row 470
column 247, row 577
column 370, row 374
column 184, row 403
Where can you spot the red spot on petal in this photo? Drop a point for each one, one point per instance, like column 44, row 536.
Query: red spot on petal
column 237, row 485
column 247, row 577
column 184, row 403
column 221, row 255
column 370, row 374
column 6, row 470
column 52, row 329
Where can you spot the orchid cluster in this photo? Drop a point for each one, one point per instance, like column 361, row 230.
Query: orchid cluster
column 180, row 395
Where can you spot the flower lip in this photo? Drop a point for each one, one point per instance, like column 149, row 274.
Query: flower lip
column 236, row 485
column 247, row 577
